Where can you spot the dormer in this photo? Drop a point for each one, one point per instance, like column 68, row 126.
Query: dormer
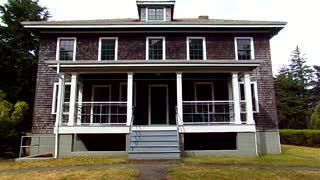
column 155, row 10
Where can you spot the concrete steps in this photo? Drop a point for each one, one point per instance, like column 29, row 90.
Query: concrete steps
column 147, row 144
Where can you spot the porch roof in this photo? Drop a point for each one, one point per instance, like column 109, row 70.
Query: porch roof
column 119, row 66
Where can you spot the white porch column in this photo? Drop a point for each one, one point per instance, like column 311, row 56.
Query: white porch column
column 248, row 97
column 236, row 98
column 60, row 100
column 129, row 98
column 179, row 99
column 80, row 97
column 73, row 97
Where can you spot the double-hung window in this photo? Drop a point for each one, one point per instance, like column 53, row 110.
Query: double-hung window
column 66, row 97
column 155, row 14
column 108, row 48
column 66, row 49
column 196, row 48
column 244, row 48
column 155, row 48
column 254, row 95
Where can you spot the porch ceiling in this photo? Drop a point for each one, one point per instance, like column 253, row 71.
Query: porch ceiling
column 94, row 66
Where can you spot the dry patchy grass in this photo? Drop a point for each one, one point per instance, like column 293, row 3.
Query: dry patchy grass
column 291, row 156
column 186, row 173
column 76, row 161
column 110, row 173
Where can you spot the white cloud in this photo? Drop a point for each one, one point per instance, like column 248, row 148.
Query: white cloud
column 301, row 16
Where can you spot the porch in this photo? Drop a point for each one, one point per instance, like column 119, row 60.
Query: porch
column 113, row 103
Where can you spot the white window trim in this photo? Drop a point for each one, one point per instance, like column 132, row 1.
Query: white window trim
column 236, row 46
column 203, row 45
column 164, row 13
column 55, row 94
column 74, row 47
column 115, row 50
column 255, row 87
column 163, row 46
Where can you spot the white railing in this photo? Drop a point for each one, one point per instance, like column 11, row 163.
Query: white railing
column 208, row 112
column 101, row 113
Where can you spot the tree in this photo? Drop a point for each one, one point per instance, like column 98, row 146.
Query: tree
column 11, row 118
column 19, row 48
column 315, row 118
column 293, row 87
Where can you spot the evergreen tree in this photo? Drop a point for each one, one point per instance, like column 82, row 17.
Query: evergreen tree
column 19, row 49
column 293, row 86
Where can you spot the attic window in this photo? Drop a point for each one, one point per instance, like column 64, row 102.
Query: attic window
column 155, row 14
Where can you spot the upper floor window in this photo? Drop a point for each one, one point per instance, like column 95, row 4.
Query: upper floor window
column 66, row 49
column 244, row 48
column 254, row 95
column 196, row 48
column 155, row 14
column 155, row 48
column 108, row 48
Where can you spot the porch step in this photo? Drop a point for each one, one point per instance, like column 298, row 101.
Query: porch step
column 158, row 144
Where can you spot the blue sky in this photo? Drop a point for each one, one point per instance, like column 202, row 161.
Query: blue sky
column 302, row 29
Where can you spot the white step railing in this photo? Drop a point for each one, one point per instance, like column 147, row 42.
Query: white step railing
column 208, row 112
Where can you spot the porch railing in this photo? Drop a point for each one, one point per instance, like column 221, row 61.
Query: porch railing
column 101, row 113
column 208, row 112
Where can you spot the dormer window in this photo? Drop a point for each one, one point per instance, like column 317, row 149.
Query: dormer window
column 155, row 14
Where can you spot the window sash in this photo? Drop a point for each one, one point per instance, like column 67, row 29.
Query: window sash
column 55, row 97
column 254, row 94
column 66, row 49
column 155, row 48
column 244, row 49
column 108, row 49
column 155, row 13
column 196, row 49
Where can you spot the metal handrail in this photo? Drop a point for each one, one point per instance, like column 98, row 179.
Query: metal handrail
column 177, row 123
column 130, row 127
column 38, row 146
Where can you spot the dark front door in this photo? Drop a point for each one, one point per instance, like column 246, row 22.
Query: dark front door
column 158, row 104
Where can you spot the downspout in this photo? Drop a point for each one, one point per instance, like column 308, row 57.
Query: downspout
column 57, row 120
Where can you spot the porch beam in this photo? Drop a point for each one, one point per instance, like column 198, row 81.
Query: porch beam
column 129, row 98
column 60, row 100
column 236, row 98
column 248, row 97
column 73, row 97
column 179, row 99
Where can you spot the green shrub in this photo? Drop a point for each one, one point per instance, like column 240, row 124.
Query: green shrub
column 309, row 138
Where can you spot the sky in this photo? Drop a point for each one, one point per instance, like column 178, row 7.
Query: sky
column 302, row 28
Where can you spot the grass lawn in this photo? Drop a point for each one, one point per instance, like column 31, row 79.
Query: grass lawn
column 111, row 173
column 291, row 156
column 77, row 161
column 190, row 172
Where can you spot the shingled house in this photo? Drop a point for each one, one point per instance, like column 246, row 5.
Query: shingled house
column 157, row 86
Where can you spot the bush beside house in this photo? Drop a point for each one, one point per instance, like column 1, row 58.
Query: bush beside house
column 309, row 138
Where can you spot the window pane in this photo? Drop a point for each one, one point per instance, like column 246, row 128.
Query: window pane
column 155, row 49
column 254, row 98
column 196, row 49
column 155, row 14
column 244, row 49
column 66, row 47
column 108, row 48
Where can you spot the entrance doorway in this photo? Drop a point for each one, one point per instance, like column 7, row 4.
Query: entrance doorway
column 158, row 104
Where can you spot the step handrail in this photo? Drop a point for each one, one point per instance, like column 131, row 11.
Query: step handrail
column 130, row 127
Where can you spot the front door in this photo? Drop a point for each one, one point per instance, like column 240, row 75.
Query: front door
column 100, row 109
column 158, row 104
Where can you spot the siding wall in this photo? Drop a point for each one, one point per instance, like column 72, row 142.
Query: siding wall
column 132, row 47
